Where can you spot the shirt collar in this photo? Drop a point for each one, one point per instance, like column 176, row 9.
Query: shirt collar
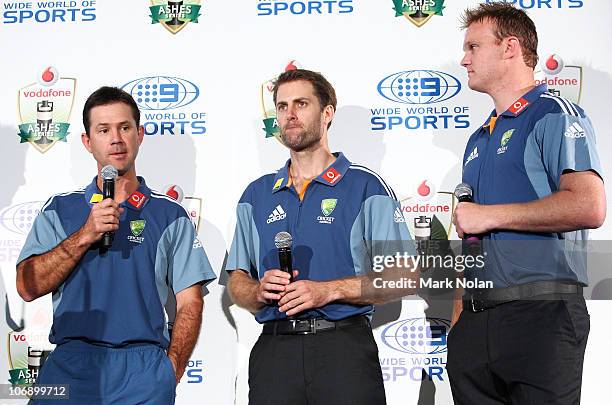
column 136, row 201
column 521, row 104
column 330, row 176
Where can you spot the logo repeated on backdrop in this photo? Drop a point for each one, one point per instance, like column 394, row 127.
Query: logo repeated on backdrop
column 159, row 98
column 15, row 224
column 271, row 127
column 37, row 12
column 544, row 4
column 562, row 80
column 424, row 96
column 411, row 346
column 174, row 15
column 44, row 109
column 301, row 7
column 193, row 205
column 418, row 12
column 428, row 212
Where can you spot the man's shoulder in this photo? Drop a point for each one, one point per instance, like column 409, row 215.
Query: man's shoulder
column 549, row 103
column 262, row 185
column 66, row 199
column 372, row 182
column 161, row 204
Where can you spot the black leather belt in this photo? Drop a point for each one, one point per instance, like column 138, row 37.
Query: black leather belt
column 485, row 299
column 311, row 326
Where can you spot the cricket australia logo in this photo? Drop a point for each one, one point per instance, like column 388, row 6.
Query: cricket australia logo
column 328, row 205
column 44, row 109
column 504, row 141
column 137, row 227
column 174, row 15
column 418, row 12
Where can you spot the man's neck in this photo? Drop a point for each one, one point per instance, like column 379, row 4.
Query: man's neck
column 308, row 164
column 511, row 89
column 124, row 186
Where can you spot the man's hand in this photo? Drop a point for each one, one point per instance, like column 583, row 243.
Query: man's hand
column 272, row 286
column 103, row 217
column 306, row 294
column 473, row 219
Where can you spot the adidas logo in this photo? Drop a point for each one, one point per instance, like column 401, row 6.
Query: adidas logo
column 473, row 155
column 277, row 214
column 575, row 131
column 398, row 216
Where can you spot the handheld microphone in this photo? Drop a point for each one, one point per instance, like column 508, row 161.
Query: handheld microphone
column 464, row 193
column 109, row 175
column 283, row 241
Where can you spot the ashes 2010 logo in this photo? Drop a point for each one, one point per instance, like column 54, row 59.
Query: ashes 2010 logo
column 271, row 127
column 174, row 15
column 418, row 12
column 44, row 109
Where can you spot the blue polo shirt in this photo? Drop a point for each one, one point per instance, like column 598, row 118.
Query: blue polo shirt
column 519, row 157
column 348, row 215
column 117, row 297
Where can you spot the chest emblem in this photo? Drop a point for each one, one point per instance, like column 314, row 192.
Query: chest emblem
column 328, row 205
column 503, row 146
column 137, row 227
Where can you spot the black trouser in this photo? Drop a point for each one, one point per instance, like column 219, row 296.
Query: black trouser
column 330, row 367
column 519, row 353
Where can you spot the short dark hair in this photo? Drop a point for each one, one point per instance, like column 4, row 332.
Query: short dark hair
column 109, row 95
column 323, row 89
column 509, row 21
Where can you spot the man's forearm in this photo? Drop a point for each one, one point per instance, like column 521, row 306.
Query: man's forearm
column 375, row 288
column 554, row 213
column 244, row 290
column 42, row 274
column 185, row 335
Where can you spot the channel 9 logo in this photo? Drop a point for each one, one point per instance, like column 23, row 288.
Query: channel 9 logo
column 162, row 92
column 417, row 335
column 419, row 87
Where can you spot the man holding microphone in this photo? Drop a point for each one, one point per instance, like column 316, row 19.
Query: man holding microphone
column 111, row 264
column 537, row 187
column 316, row 344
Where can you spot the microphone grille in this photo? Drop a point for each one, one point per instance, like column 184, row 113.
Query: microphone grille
column 109, row 172
column 283, row 240
column 462, row 190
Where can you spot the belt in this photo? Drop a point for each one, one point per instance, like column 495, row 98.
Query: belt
column 481, row 300
column 311, row 326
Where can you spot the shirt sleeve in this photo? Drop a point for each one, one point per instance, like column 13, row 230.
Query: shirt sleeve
column 568, row 143
column 187, row 260
column 245, row 245
column 380, row 230
column 46, row 233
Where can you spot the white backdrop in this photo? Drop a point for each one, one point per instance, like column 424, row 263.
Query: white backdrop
column 218, row 65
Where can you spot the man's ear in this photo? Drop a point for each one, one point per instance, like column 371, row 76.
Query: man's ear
column 86, row 141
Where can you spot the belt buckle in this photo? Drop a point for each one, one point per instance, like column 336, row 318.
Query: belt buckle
column 474, row 303
column 311, row 326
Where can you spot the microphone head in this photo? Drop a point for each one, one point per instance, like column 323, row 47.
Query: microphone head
column 463, row 190
column 283, row 240
column 109, row 172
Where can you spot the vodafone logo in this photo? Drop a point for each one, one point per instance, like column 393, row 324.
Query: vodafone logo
column 425, row 191
column 518, row 106
column 137, row 199
column 332, row 176
column 553, row 65
column 175, row 192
